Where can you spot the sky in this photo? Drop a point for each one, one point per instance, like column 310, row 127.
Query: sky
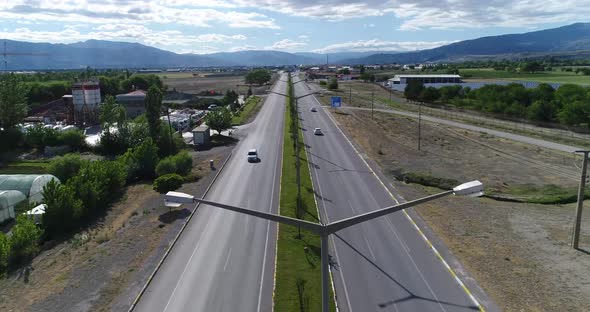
column 324, row 26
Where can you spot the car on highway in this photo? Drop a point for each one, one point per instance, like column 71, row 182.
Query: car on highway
column 212, row 107
column 313, row 109
column 317, row 131
column 253, row 155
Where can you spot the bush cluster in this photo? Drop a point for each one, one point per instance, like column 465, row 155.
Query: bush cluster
column 168, row 182
column 181, row 163
column 39, row 137
column 22, row 245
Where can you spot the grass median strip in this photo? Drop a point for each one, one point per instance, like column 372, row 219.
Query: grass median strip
column 298, row 270
column 250, row 108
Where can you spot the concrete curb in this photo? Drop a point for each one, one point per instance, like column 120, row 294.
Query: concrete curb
column 143, row 289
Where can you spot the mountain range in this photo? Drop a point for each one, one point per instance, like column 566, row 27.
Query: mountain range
column 110, row 54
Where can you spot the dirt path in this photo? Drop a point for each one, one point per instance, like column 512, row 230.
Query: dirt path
column 518, row 253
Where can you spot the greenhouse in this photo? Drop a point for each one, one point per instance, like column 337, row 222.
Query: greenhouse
column 31, row 185
column 8, row 202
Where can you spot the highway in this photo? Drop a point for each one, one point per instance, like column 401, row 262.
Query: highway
column 381, row 265
column 224, row 261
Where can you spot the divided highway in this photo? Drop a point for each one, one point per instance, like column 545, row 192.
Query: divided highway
column 224, row 261
column 381, row 265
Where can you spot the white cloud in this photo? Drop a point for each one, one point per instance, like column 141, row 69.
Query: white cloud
column 303, row 37
column 134, row 11
column 379, row 45
column 286, row 44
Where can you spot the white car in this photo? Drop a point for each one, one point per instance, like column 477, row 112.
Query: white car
column 313, row 109
column 253, row 155
column 317, row 131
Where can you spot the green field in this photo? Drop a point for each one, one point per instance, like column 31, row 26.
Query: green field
column 553, row 76
column 25, row 167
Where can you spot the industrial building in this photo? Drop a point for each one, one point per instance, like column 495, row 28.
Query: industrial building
column 134, row 103
column 83, row 104
column 405, row 79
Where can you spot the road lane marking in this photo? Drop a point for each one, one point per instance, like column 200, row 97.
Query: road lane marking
column 227, row 259
column 279, row 156
column 346, row 296
column 449, row 269
column 186, row 266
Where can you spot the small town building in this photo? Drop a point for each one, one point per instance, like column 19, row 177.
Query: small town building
column 134, row 102
column 201, row 135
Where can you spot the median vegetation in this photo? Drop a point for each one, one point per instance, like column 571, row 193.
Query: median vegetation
column 298, row 271
column 247, row 111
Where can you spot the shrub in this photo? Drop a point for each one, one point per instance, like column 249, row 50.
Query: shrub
column 141, row 161
column 73, row 138
column 166, row 166
column 184, row 163
column 66, row 166
column 4, row 252
column 323, row 83
column 24, row 242
column 168, row 182
column 64, row 208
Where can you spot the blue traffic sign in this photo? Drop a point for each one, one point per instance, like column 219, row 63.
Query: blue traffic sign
column 336, row 101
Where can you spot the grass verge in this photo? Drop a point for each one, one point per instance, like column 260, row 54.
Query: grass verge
column 250, row 108
column 26, row 167
column 298, row 268
column 549, row 194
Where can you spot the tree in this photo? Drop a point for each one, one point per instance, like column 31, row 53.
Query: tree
column 333, row 84
column 219, row 119
column 111, row 113
column 73, row 138
column 153, row 107
column 142, row 82
column 542, row 111
column 575, row 113
column 344, row 71
column 258, row 76
column 13, row 101
column 64, row 208
column 413, row 90
column 531, row 67
column 141, row 161
column 362, row 69
column 367, row 77
column 429, row 95
column 67, row 166
column 24, row 242
column 249, row 94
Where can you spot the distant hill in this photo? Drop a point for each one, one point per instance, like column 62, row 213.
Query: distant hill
column 109, row 54
column 567, row 38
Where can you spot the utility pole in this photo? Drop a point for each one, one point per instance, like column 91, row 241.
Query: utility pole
column 372, row 103
column 419, row 124
column 580, row 206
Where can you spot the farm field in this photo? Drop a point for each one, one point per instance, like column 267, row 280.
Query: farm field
column 189, row 83
column 552, row 77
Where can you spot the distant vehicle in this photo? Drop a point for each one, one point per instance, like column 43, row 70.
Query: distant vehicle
column 317, row 131
column 253, row 155
column 313, row 109
column 212, row 107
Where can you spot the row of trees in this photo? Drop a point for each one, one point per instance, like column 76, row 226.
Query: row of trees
column 258, row 77
column 568, row 105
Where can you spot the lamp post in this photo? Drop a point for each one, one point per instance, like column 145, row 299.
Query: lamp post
column 472, row 189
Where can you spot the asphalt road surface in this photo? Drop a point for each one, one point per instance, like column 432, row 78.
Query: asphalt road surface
column 383, row 264
column 224, row 261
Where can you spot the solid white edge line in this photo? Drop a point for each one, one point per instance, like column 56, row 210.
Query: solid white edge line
column 452, row 272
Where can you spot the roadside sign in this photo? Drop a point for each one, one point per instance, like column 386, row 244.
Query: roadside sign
column 336, row 101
